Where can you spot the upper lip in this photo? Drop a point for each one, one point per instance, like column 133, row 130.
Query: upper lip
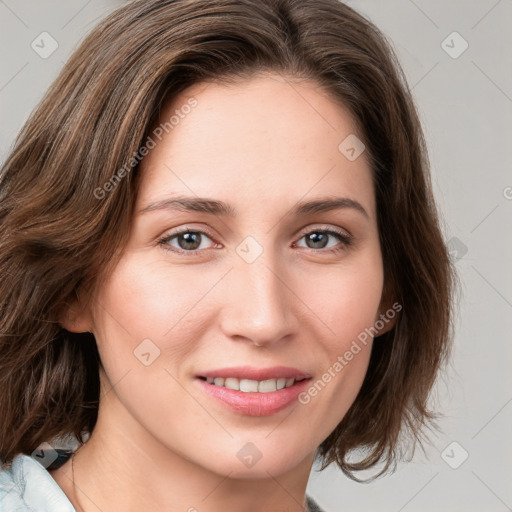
column 252, row 373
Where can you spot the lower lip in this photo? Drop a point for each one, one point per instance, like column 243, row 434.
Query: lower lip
column 255, row 404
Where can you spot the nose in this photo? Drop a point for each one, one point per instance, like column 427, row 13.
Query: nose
column 259, row 306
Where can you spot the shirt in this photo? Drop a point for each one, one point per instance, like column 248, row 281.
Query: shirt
column 27, row 486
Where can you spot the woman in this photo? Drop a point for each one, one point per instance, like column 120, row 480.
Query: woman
column 220, row 260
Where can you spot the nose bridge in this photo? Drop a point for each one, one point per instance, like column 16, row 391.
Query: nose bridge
column 258, row 305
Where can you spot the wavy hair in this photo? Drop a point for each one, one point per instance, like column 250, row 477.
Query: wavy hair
column 57, row 237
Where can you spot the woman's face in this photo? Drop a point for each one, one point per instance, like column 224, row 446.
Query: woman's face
column 265, row 291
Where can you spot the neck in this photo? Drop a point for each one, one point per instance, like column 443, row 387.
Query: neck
column 112, row 471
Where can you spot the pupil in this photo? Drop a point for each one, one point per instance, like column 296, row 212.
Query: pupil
column 317, row 238
column 190, row 239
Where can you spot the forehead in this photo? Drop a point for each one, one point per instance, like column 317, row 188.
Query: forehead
column 262, row 137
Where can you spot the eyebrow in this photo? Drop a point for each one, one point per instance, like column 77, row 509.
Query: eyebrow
column 215, row 207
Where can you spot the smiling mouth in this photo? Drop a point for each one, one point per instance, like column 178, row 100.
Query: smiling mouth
column 252, row 386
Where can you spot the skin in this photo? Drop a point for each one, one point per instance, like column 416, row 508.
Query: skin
column 160, row 442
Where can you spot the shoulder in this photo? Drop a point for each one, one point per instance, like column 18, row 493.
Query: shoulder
column 28, row 487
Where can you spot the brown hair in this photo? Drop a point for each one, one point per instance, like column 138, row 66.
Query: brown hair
column 57, row 237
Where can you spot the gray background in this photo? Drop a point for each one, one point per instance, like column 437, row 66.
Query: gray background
column 465, row 102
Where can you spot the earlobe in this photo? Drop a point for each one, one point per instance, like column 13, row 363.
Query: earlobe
column 385, row 321
column 388, row 313
column 75, row 318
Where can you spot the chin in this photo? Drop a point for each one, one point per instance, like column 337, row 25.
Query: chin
column 259, row 459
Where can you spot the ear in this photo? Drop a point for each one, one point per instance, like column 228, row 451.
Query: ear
column 388, row 312
column 75, row 317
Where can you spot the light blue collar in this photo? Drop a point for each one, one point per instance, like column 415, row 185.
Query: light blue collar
column 28, row 487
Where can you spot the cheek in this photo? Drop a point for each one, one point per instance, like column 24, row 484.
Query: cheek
column 347, row 301
column 139, row 311
column 140, row 307
column 346, row 354
column 150, row 298
column 347, row 298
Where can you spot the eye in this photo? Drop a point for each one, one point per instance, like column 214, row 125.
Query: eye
column 187, row 240
column 194, row 241
column 319, row 239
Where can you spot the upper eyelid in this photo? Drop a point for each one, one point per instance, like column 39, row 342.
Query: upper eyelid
column 300, row 232
column 307, row 230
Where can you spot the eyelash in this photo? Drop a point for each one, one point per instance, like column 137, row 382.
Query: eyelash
column 343, row 237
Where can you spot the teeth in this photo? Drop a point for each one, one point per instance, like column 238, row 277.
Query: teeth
column 251, row 386
column 266, row 386
column 248, row 386
column 232, row 384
